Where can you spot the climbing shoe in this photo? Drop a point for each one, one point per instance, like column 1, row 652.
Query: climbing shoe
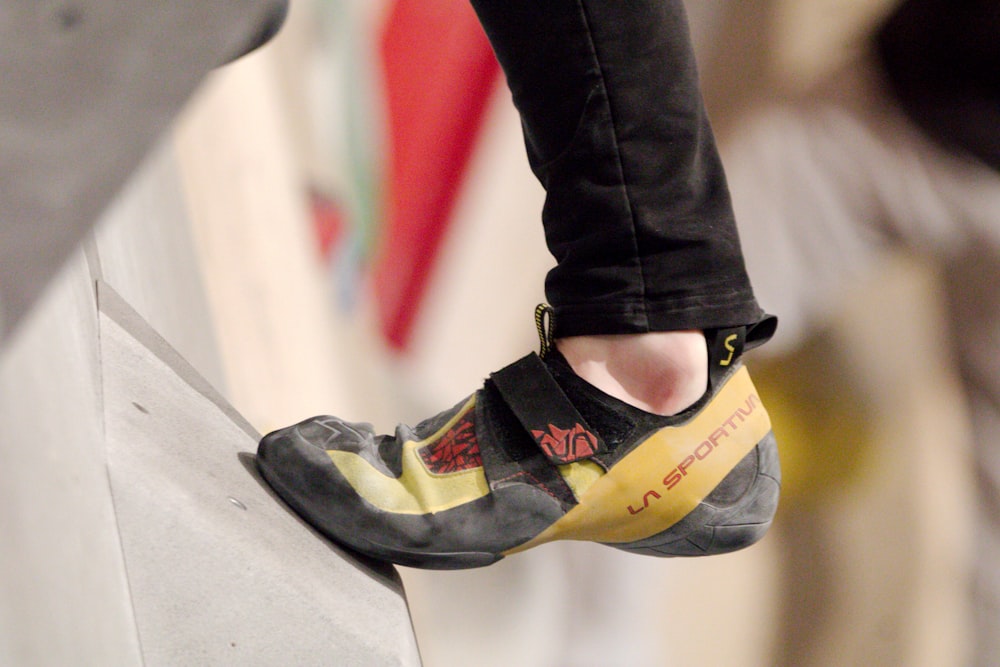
column 538, row 455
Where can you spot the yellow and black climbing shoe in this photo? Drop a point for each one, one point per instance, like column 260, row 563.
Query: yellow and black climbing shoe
column 539, row 455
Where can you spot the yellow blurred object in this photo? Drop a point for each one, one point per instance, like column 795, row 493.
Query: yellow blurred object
column 820, row 418
column 810, row 39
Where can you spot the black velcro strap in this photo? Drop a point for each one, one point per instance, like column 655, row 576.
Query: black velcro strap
column 545, row 412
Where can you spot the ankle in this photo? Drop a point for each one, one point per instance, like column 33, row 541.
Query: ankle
column 659, row 372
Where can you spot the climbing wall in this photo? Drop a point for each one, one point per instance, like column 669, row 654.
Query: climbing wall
column 136, row 530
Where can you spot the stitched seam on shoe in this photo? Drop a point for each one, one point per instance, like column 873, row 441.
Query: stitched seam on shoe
column 536, row 482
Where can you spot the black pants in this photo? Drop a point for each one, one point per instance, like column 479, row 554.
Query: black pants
column 637, row 211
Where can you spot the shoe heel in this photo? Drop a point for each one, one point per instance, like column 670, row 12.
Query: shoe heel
column 735, row 515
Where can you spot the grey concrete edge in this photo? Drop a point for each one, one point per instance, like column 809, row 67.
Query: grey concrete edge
column 111, row 304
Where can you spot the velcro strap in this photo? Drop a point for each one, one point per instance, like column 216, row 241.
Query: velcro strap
column 545, row 412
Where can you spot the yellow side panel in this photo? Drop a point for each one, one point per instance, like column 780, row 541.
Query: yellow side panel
column 669, row 474
column 417, row 490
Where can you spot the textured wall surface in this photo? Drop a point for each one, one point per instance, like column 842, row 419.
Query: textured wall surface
column 87, row 89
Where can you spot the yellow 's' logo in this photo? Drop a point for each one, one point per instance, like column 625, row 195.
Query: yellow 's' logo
column 729, row 346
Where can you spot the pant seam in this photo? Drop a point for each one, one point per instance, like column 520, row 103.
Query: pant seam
column 618, row 155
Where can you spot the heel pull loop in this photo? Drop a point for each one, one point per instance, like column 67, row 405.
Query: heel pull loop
column 545, row 323
column 725, row 347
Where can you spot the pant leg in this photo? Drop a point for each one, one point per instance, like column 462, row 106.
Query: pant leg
column 637, row 211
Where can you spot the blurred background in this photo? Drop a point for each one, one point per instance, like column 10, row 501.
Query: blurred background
column 361, row 236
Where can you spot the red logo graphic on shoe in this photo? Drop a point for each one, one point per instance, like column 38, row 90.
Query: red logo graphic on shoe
column 566, row 445
column 456, row 450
